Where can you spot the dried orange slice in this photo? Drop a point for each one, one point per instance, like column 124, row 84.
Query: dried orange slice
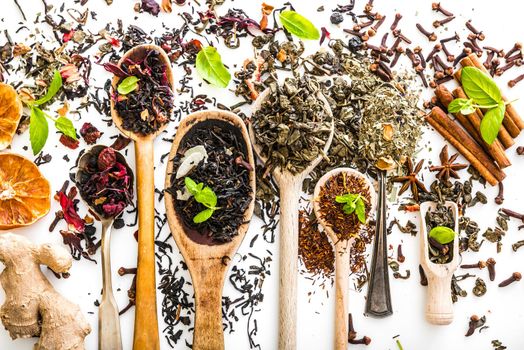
column 25, row 195
column 10, row 114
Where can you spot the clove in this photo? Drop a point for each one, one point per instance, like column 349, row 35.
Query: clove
column 474, row 323
column 491, row 268
column 516, row 80
column 515, row 277
column 430, row 35
column 513, row 214
column 394, row 25
column 480, row 265
column 441, row 22
column 437, row 7
column 423, row 277
column 499, row 199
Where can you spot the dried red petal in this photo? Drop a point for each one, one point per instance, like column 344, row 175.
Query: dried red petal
column 113, row 209
column 151, row 6
column 70, row 214
column 120, row 143
column 116, row 70
column 69, row 142
column 90, row 133
column 67, row 36
column 106, row 159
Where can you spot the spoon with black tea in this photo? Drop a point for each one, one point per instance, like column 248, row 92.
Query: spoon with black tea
column 342, row 250
column 208, row 261
column 290, row 187
column 146, row 323
column 109, row 336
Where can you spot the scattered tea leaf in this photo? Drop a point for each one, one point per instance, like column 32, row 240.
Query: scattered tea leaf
column 299, row 25
column 128, row 85
column 442, row 234
column 209, row 65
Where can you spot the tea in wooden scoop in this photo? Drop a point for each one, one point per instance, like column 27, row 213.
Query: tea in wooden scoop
column 141, row 106
column 210, row 197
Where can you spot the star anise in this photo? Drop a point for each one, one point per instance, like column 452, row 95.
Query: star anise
column 410, row 180
column 448, row 167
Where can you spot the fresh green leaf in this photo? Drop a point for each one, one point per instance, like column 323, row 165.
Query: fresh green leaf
column 38, row 130
column 346, row 198
column 349, row 208
column 55, row 85
column 490, row 124
column 128, row 85
column 204, row 215
column 479, row 87
column 207, row 197
column 191, row 185
column 462, row 105
column 360, row 210
column 209, row 65
column 66, row 126
column 299, row 25
column 442, row 234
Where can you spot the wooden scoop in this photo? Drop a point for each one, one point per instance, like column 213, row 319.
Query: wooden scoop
column 146, row 323
column 342, row 249
column 290, row 186
column 208, row 263
column 439, row 306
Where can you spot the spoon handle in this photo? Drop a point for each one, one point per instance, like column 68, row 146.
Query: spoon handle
column 439, row 306
column 109, row 336
column 378, row 301
column 290, row 189
column 146, row 323
column 341, row 294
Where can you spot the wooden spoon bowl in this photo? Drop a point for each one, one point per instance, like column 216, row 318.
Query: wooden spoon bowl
column 342, row 250
column 146, row 322
column 290, row 187
column 439, row 306
column 207, row 263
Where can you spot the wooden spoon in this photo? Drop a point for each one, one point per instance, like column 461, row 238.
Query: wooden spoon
column 290, row 187
column 146, row 322
column 109, row 335
column 208, row 263
column 439, row 306
column 342, row 249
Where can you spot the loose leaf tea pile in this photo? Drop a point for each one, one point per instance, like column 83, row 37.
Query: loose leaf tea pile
column 225, row 173
column 292, row 125
column 144, row 96
column 440, row 225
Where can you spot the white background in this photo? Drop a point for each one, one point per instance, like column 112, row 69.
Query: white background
column 504, row 308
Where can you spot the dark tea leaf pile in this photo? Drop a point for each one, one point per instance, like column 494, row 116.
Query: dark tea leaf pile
column 225, row 172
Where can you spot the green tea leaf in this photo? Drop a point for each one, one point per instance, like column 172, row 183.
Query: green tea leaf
column 299, row 25
column 128, row 85
column 55, row 85
column 442, row 234
column 191, row 185
column 490, row 124
column 66, row 126
column 38, row 130
column 204, row 215
column 360, row 210
column 209, row 65
column 479, row 87
column 207, row 197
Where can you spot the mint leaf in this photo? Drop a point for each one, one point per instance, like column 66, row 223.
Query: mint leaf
column 191, row 185
column 128, row 85
column 490, row 124
column 55, row 85
column 442, row 234
column 479, row 87
column 207, row 197
column 299, row 25
column 360, row 210
column 461, row 105
column 204, row 215
column 210, row 67
column 38, row 130
column 66, row 126
column 345, row 198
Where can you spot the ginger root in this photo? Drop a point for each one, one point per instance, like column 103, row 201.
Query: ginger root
column 32, row 307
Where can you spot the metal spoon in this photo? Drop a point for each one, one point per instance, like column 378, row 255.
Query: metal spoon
column 109, row 336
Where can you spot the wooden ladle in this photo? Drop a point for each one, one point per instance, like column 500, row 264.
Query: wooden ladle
column 146, row 322
column 342, row 249
column 208, row 263
column 290, row 187
column 439, row 306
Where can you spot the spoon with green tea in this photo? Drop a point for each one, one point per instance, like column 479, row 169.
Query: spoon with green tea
column 109, row 336
column 146, row 322
column 290, row 187
column 342, row 243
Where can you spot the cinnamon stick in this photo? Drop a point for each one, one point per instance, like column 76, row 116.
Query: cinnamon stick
column 465, row 144
column 504, row 137
column 512, row 120
column 495, row 149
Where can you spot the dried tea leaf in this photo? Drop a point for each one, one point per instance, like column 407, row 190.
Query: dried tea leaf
column 387, row 131
column 386, row 163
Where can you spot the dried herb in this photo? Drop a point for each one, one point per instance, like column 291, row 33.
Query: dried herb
column 209, row 65
column 228, row 178
column 440, row 224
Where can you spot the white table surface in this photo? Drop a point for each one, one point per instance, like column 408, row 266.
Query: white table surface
column 504, row 308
